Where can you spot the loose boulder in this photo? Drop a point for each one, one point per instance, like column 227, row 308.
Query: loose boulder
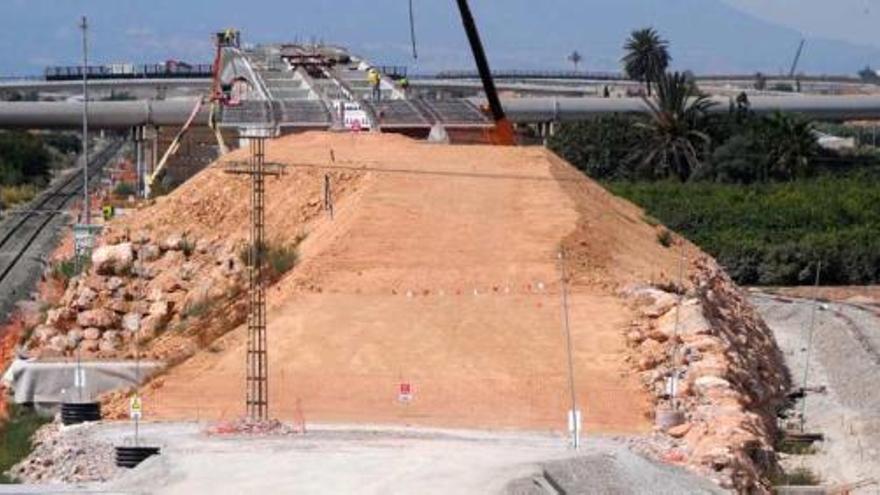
column 113, row 260
column 92, row 334
column 98, row 318
column 131, row 322
column 45, row 332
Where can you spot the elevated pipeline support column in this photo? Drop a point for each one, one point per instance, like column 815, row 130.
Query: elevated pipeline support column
column 138, row 135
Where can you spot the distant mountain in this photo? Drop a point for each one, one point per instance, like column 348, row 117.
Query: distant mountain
column 706, row 35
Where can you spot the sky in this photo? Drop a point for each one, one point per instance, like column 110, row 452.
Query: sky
column 855, row 21
column 761, row 35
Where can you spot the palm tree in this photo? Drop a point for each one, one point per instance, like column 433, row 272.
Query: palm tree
column 647, row 56
column 675, row 128
column 575, row 58
column 791, row 144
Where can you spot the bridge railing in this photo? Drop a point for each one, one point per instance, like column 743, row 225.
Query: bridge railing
column 129, row 71
column 528, row 74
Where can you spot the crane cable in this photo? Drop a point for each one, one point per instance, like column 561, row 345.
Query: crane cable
column 412, row 30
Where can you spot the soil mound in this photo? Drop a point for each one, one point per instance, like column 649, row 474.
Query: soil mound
column 440, row 270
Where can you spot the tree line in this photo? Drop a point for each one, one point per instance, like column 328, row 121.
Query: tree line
column 757, row 192
column 27, row 159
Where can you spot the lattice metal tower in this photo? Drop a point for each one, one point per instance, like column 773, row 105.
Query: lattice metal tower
column 257, row 365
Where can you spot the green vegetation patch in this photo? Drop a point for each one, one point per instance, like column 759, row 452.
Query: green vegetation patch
column 15, row 438
column 278, row 258
column 776, row 233
column 13, row 195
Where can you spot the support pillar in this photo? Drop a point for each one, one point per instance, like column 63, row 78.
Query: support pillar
column 138, row 133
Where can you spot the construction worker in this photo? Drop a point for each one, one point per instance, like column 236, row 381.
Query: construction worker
column 229, row 37
column 109, row 212
column 375, row 83
column 404, row 85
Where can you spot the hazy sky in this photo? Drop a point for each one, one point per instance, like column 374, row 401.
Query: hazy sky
column 856, row 21
column 707, row 35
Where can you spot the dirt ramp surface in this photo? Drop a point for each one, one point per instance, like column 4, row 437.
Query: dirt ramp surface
column 439, row 270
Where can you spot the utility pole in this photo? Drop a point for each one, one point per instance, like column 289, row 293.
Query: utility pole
column 574, row 415
column 257, row 363
column 810, row 345
column 84, row 25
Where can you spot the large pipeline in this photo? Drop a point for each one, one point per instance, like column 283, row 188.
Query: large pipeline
column 551, row 109
column 126, row 114
column 102, row 115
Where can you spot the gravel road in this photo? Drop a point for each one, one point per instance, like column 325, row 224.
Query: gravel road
column 844, row 358
column 373, row 460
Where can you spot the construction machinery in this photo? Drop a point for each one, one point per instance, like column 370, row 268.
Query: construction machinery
column 502, row 133
column 797, row 59
column 175, row 146
column 229, row 38
column 221, row 95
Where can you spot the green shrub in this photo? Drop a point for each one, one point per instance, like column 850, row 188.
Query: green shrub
column 13, row 195
column 795, row 447
column 23, row 159
column 124, row 190
column 15, row 438
column 602, row 148
column 797, row 477
column 63, row 142
column 664, row 237
column 198, row 309
column 65, row 269
column 775, row 234
column 278, row 259
column 187, row 246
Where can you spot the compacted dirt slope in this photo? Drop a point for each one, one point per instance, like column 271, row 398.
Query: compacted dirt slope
column 439, row 269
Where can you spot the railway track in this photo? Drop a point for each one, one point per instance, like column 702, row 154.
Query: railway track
column 17, row 240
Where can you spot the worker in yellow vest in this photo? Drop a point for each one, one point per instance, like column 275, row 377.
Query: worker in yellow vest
column 375, row 83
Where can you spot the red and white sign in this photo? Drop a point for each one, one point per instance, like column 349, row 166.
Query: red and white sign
column 405, row 392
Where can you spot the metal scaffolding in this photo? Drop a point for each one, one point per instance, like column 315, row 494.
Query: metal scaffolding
column 257, row 374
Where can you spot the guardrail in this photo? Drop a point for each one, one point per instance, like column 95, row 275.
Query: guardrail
column 130, row 71
column 617, row 76
column 528, row 74
column 20, row 78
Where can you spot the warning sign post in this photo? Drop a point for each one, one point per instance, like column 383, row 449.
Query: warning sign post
column 135, row 412
column 405, row 392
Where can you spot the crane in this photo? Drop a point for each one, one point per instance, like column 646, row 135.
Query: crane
column 797, row 58
column 503, row 133
column 230, row 38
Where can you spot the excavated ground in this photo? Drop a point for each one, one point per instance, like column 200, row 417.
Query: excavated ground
column 440, row 269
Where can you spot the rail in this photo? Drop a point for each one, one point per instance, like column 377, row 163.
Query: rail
column 616, row 76
column 528, row 74
column 130, row 71
column 51, row 201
